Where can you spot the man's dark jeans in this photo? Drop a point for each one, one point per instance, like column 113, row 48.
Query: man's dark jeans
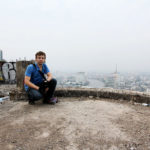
column 36, row 95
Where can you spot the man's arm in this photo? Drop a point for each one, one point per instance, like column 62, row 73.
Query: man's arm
column 49, row 76
column 30, row 84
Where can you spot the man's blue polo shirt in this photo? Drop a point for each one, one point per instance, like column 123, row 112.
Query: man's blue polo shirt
column 33, row 73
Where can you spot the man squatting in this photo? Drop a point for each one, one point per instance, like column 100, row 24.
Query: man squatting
column 36, row 84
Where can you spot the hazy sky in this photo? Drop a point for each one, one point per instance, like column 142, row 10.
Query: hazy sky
column 78, row 35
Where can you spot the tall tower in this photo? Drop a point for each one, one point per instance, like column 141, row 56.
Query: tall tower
column 116, row 78
column 116, row 71
column 1, row 55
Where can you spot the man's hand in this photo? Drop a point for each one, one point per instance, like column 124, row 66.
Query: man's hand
column 43, row 87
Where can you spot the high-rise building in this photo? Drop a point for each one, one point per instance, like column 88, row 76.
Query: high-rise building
column 116, row 78
column 1, row 55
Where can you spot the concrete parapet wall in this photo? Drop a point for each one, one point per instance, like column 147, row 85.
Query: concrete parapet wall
column 138, row 97
column 20, row 72
column 18, row 95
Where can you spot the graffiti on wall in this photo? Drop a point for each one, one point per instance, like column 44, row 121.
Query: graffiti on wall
column 8, row 72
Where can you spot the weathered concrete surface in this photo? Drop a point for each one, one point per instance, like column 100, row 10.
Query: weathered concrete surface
column 20, row 71
column 74, row 124
column 93, row 93
column 6, row 88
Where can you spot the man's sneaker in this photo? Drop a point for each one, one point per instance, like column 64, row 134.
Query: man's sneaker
column 55, row 99
column 31, row 102
column 51, row 101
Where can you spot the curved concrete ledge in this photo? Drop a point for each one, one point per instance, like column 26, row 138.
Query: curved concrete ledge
column 138, row 97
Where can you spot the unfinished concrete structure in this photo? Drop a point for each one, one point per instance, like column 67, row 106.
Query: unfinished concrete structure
column 20, row 71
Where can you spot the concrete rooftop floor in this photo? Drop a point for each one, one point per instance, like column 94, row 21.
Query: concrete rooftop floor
column 74, row 124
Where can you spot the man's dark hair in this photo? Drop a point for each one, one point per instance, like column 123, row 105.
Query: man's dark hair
column 39, row 54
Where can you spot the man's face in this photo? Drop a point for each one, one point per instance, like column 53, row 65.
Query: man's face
column 40, row 59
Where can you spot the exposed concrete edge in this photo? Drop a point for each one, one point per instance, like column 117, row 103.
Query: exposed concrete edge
column 138, row 97
column 104, row 93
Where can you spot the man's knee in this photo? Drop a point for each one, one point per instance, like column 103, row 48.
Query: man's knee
column 53, row 81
